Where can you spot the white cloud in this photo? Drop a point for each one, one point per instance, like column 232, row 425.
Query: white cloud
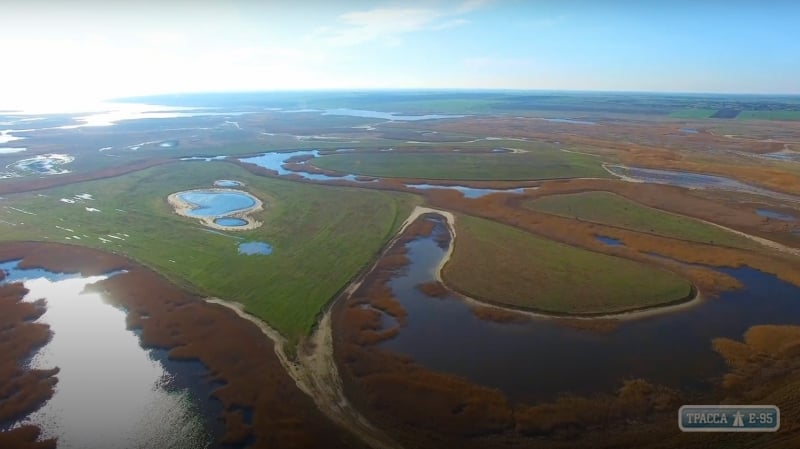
column 364, row 26
column 471, row 5
column 450, row 24
column 387, row 24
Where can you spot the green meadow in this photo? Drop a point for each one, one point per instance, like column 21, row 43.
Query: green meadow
column 506, row 265
column 610, row 209
column 321, row 236
column 536, row 164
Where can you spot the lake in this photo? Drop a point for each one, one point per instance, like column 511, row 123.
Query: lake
column 111, row 392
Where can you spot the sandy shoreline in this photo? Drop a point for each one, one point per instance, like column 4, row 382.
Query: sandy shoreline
column 183, row 208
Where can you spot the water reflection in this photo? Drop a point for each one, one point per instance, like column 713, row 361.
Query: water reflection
column 549, row 358
column 111, row 393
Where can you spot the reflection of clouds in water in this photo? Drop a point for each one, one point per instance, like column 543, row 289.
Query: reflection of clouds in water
column 109, row 391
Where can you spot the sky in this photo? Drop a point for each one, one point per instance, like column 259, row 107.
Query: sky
column 55, row 52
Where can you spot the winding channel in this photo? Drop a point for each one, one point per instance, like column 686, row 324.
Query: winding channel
column 646, row 344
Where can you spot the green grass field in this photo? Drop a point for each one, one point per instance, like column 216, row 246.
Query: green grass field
column 693, row 113
column 613, row 210
column 536, row 164
column 506, row 265
column 321, row 236
column 769, row 115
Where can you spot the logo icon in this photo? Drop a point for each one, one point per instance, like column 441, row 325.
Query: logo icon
column 729, row 418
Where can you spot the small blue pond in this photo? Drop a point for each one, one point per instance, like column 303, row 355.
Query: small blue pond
column 609, row 241
column 211, row 203
column 252, row 248
column 775, row 215
column 689, row 130
column 230, row 221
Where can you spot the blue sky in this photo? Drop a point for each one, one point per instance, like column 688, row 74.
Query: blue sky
column 91, row 49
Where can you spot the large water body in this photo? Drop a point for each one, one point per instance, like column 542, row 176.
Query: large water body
column 387, row 115
column 211, row 203
column 111, row 392
column 111, row 114
column 549, row 359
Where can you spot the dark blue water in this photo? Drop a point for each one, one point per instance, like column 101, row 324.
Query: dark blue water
column 254, row 248
column 775, row 215
column 609, row 241
column 549, row 359
column 210, row 203
column 229, row 221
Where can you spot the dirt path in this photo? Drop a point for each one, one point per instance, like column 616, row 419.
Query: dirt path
column 315, row 371
column 760, row 240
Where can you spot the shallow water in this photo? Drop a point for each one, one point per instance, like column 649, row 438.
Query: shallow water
column 111, row 393
column 694, row 181
column 689, row 131
column 45, row 164
column 212, row 204
column 469, row 192
column 549, row 359
column 230, row 221
column 789, row 156
column 253, row 248
column 386, row 115
column 275, row 161
column 568, row 120
column 227, row 183
column 608, row 240
column 775, row 215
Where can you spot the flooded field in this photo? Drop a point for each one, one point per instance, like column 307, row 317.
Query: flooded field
column 692, row 181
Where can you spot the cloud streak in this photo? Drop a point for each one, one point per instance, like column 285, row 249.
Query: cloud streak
column 388, row 24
